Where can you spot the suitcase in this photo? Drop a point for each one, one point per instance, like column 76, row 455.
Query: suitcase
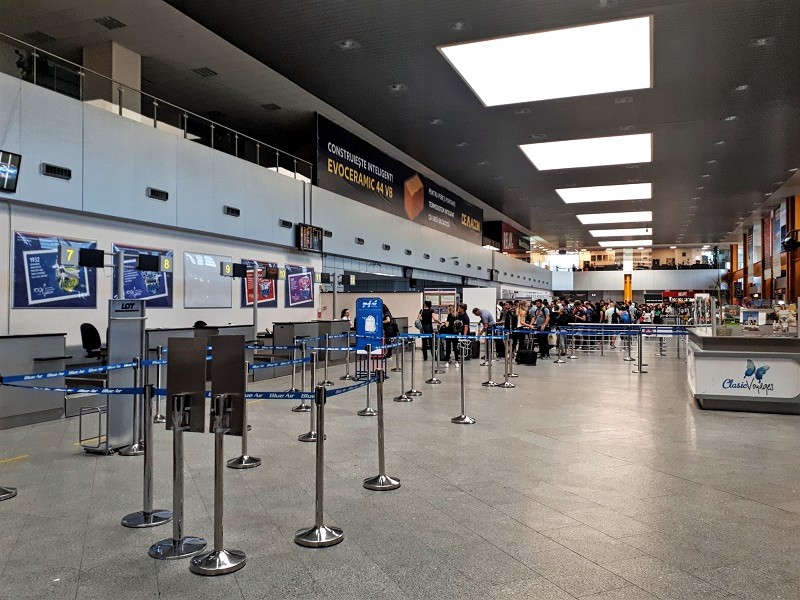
column 526, row 357
column 475, row 349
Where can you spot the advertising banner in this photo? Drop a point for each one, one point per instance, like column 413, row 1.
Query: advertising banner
column 299, row 286
column 267, row 294
column 41, row 282
column 761, row 376
column 369, row 322
column 349, row 166
column 153, row 286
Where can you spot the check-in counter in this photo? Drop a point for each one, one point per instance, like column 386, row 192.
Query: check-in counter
column 745, row 373
column 334, row 328
column 34, row 353
column 284, row 334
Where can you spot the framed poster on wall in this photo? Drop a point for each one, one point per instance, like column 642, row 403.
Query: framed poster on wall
column 41, row 282
column 299, row 287
column 203, row 286
column 153, row 286
column 267, row 288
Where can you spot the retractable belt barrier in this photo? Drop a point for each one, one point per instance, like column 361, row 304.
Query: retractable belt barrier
column 282, row 363
column 6, row 379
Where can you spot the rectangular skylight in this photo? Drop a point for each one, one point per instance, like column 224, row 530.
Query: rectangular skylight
column 639, row 216
column 591, row 152
column 606, row 193
column 626, row 243
column 621, row 232
column 576, row 61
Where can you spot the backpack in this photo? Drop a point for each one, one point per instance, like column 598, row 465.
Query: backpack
column 615, row 317
column 589, row 314
column 626, row 317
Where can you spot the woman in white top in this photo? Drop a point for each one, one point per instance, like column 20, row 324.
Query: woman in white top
column 611, row 309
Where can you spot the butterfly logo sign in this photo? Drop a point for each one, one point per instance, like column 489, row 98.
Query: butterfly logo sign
column 752, row 370
column 753, row 381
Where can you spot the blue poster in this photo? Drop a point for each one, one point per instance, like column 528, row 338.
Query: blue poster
column 40, row 282
column 369, row 322
column 153, row 286
column 267, row 292
column 299, row 287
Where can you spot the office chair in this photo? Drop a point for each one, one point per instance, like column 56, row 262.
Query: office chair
column 200, row 324
column 90, row 339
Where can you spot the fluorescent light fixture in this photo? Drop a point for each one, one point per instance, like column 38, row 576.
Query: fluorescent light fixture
column 639, row 216
column 620, row 232
column 591, row 152
column 490, row 247
column 628, row 243
column 606, row 193
column 673, row 247
column 563, row 63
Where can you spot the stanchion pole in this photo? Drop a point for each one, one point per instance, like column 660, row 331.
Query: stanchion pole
column 661, row 346
column 6, row 493
column 319, row 535
column 147, row 517
column 509, row 349
column 245, row 461
column 302, row 407
column 219, row 561
column 463, row 419
column 489, row 382
column 136, row 448
column 507, row 372
column 678, row 346
column 368, row 411
column 396, row 367
column 403, row 397
column 437, row 354
column 179, row 546
column 433, row 379
column 639, row 365
column 413, row 391
column 159, row 418
column 559, row 342
column 572, row 355
column 294, row 366
column 629, row 343
column 326, row 382
column 381, row 482
column 347, row 376
column 311, row 436
column 602, row 340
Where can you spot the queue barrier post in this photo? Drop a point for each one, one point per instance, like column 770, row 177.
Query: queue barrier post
column 137, row 447
column 628, row 344
column 159, row 418
column 559, row 343
column 463, row 419
column 433, row 380
column 244, row 461
column 660, row 351
column 397, row 368
column 368, row 411
column 219, row 561
column 507, row 373
column 509, row 351
column 403, row 397
column 572, row 355
column 489, row 382
column 6, row 493
column 302, row 407
column 319, row 535
column 413, row 391
column 326, row 382
column 179, row 546
column 148, row 516
column 347, row 376
column 639, row 365
column 381, row 482
column 311, row 436
column 294, row 366
column 436, row 354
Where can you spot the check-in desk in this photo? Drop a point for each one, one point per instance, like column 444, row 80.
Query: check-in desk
column 34, row 353
column 334, row 328
column 745, row 373
column 283, row 334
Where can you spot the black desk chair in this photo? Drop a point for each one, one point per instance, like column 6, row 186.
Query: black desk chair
column 90, row 339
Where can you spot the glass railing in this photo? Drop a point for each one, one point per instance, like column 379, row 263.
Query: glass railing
column 39, row 67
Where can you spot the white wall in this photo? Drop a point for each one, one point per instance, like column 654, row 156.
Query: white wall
column 402, row 304
column 668, row 279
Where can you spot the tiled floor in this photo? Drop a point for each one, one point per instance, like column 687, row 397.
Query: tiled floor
column 586, row 481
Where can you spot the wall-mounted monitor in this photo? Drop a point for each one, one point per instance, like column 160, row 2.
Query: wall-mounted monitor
column 408, row 272
column 309, row 238
column 9, row 171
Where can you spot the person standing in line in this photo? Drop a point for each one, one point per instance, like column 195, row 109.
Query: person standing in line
column 389, row 329
column 427, row 318
column 542, row 327
column 461, row 327
column 485, row 318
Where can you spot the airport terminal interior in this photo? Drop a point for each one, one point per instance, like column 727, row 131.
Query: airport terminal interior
column 400, row 299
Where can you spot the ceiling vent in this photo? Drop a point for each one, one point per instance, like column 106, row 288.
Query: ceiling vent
column 601, row 4
column 109, row 22
column 623, row 100
column 39, row 37
column 56, row 172
column 270, row 106
column 204, row 72
column 157, row 194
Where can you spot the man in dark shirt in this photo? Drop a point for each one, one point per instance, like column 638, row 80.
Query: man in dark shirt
column 464, row 329
column 427, row 318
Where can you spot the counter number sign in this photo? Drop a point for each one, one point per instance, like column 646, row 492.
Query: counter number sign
column 164, row 263
column 68, row 256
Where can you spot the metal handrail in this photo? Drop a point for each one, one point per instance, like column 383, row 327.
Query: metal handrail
column 80, row 70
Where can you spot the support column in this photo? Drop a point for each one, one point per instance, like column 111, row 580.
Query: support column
column 118, row 63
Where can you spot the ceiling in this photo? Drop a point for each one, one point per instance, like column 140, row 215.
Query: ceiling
column 703, row 50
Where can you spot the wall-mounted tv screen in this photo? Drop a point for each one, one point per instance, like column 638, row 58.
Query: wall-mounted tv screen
column 309, row 238
column 9, row 171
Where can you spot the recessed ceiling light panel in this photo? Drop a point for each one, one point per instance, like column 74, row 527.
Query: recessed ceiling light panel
column 606, row 193
column 621, row 232
column 638, row 216
column 591, row 152
column 576, row 61
column 627, row 244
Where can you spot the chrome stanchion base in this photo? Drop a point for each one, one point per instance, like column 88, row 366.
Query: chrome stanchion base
column 403, row 398
column 638, row 370
column 302, row 408
column 311, row 436
column 489, row 383
column 347, row 377
column 413, row 392
column 6, row 493
column 327, row 383
column 218, row 562
column 396, row 369
column 572, row 357
column 244, row 462
column 559, row 361
column 294, row 389
column 136, row 449
column 159, row 419
column 463, row 420
column 381, row 483
column 140, row 519
column 319, row 536
column 170, row 549
column 434, row 381
column 485, row 363
column 628, row 359
column 506, row 384
column 367, row 412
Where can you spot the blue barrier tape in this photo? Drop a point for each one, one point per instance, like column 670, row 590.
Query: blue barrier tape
column 265, row 347
column 66, row 373
column 416, row 335
column 65, row 390
column 283, row 363
column 330, row 349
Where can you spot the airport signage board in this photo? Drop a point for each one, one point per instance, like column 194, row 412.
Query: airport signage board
column 153, row 286
column 349, row 166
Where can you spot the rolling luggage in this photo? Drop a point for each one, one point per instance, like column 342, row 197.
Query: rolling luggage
column 475, row 349
column 526, row 356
